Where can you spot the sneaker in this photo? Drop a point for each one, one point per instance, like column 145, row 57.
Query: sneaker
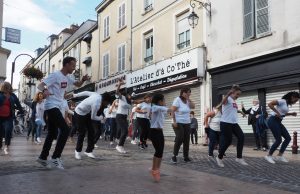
column 156, row 175
column 57, row 163
column 96, row 146
column 133, row 142
column 220, row 162
column 121, row 149
column 54, row 142
column 5, row 151
column 141, row 146
column 270, row 159
column 101, row 137
column 3, row 140
column 281, row 159
column 38, row 140
column 90, row 155
column 187, row 159
column 174, row 160
column 264, row 149
column 77, row 155
column 241, row 161
column 44, row 163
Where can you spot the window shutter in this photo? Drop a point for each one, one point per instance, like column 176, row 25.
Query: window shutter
column 123, row 58
column 120, row 17
column 262, row 17
column 248, row 19
column 123, row 15
column 119, row 58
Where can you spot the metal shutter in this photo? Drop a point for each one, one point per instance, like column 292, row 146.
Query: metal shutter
column 169, row 98
column 247, row 99
column 248, row 19
column 291, row 123
column 262, row 17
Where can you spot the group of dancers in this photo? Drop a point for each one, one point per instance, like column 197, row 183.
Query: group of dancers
column 151, row 111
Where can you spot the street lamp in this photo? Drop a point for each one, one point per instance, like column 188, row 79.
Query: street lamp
column 13, row 66
column 193, row 17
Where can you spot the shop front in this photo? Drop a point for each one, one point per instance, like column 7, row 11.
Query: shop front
column 266, row 78
column 168, row 77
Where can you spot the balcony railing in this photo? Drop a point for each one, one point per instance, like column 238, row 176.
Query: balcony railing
column 148, row 59
column 183, row 44
column 148, row 7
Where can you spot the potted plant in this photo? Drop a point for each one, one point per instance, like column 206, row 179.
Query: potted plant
column 34, row 73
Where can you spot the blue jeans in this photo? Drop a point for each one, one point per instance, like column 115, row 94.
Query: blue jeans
column 6, row 127
column 278, row 130
column 213, row 141
column 39, row 126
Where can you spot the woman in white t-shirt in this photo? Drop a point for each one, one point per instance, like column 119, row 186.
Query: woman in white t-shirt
column 181, row 109
column 229, row 125
column 280, row 110
column 143, row 119
column 158, row 112
column 213, row 126
column 113, row 124
column 39, row 115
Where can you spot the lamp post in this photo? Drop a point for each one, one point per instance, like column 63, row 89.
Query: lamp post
column 193, row 17
column 13, row 65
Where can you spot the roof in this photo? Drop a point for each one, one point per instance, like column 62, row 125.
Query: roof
column 103, row 5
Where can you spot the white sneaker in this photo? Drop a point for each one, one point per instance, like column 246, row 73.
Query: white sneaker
column 57, row 163
column 111, row 143
column 241, row 161
column 44, row 163
column 38, row 140
column 5, row 151
column 90, row 155
column 121, row 149
column 281, row 159
column 54, row 142
column 269, row 159
column 101, row 137
column 133, row 142
column 220, row 162
column 96, row 146
column 77, row 155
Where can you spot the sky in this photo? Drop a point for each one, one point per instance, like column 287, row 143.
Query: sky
column 37, row 19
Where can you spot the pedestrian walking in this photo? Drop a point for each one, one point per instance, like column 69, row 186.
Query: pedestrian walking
column 39, row 117
column 158, row 112
column 194, row 128
column 181, row 109
column 212, row 124
column 280, row 110
column 254, row 112
column 8, row 103
column 86, row 112
column 229, row 125
column 54, row 87
column 143, row 119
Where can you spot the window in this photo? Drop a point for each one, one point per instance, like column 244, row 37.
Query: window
column 183, row 31
column 148, row 47
column 148, row 5
column 88, row 45
column 105, row 65
column 256, row 19
column 45, row 67
column 121, row 58
column 121, row 16
column 106, row 28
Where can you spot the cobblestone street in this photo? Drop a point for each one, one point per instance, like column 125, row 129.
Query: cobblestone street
column 115, row 173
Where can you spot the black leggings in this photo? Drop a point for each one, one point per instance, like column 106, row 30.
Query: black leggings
column 158, row 141
column 84, row 124
column 122, row 126
column 227, row 129
column 144, row 125
column 113, row 129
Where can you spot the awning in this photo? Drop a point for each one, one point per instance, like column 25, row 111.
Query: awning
column 88, row 37
column 87, row 60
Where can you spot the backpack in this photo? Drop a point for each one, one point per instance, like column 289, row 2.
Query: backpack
column 261, row 123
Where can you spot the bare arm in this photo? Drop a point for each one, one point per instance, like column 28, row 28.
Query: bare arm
column 83, row 79
column 225, row 99
column 272, row 105
column 207, row 116
column 191, row 104
column 173, row 110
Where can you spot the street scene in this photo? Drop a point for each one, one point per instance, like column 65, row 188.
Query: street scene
column 148, row 96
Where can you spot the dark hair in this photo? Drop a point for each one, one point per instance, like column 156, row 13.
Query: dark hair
column 156, row 98
column 68, row 60
column 288, row 97
column 192, row 113
column 106, row 97
column 147, row 95
column 184, row 90
column 236, row 87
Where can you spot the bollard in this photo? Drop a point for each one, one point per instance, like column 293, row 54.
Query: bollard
column 295, row 146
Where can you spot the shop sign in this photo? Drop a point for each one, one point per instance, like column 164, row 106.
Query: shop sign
column 109, row 84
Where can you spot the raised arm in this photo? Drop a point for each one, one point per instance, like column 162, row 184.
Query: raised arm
column 83, row 79
column 225, row 98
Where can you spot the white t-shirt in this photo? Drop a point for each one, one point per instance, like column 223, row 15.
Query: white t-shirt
column 57, row 84
column 158, row 116
column 134, row 112
column 182, row 115
column 282, row 107
column 229, row 111
column 113, row 113
column 89, row 105
column 214, row 123
column 106, row 112
column 123, row 107
column 40, row 109
column 144, row 107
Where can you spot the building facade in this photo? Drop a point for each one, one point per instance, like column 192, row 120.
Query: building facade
column 167, row 53
column 255, row 43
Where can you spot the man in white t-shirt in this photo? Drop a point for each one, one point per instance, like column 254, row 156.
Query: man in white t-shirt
column 54, row 87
